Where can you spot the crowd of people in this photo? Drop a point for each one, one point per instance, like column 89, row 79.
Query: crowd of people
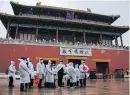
column 74, row 75
column 65, row 43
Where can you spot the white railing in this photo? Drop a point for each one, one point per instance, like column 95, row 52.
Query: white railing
column 63, row 44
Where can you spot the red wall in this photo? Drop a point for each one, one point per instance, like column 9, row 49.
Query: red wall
column 119, row 58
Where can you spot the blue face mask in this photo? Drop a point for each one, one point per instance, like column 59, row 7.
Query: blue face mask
column 41, row 61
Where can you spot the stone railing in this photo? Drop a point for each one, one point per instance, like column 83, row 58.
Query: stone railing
column 64, row 44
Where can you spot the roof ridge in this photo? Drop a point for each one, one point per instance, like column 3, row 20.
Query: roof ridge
column 65, row 9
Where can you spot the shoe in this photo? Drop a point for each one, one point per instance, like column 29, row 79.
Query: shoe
column 26, row 89
column 68, row 86
column 59, row 87
column 22, row 90
column 10, row 86
column 40, row 87
column 71, row 87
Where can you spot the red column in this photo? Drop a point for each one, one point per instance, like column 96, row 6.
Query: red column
column 63, row 39
column 121, row 40
column 37, row 33
column 8, row 31
column 116, row 41
column 27, row 36
column 57, row 35
column 111, row 43
column 73, row 15
column 100, row 38
column 84, row 37
column 16, row 33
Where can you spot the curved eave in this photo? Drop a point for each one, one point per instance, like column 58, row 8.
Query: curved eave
column 7, row 17
column 18, row 7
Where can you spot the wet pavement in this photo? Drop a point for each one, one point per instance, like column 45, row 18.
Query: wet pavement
column 94, row 87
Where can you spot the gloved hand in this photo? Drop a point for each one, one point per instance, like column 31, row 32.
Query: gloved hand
column 64, row 74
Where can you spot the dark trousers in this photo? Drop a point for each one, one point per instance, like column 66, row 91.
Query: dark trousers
column 77, row 83
column 84, row 81
column 49, row 85
column 71, row 84
column 26, row 86
column 10, row 81
column 31, row 82
column 63, row 84
column 54, row 84
column 45, row 84
column 68, row 82
column 60, row 77
column 22, row 87
column 40, row 84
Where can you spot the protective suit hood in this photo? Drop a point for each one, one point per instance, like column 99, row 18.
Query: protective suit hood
column 28, row 59
column 12, row 62
column 70, row 64
column 76, row 66
column 21, row 59
column 40, row 60
column 67, row 64
column 82, row 62
column 61, row 62
column 49, row 62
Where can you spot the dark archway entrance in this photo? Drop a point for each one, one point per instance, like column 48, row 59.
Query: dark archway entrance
column 102, row 67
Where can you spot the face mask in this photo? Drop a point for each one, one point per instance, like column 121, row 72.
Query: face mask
column 41, row 61
column 61, row 62
column 76, row 66
column 49, row 63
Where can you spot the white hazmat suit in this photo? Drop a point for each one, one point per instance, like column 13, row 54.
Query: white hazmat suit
column 41, row 71
column 50, row 72
column 77, row 72
column 83, row 73
column 11, row 73
column 12, row 70
column 31, row 68
column 24, row 74
column 72, row 74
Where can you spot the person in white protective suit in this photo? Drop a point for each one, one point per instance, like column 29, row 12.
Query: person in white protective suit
column 40, row 68
column 11, row 73
column 77, row 74
column 31, row 68
column 50, row 72
column 72, row 74
column 83, row 70
column 60, row 70
column 24, row 74
column 67, row 75
column 55, row 75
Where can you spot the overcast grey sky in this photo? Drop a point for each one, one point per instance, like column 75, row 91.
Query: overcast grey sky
column 102, row 7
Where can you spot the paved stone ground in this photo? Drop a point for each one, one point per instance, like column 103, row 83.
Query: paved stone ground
column 94, row 87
